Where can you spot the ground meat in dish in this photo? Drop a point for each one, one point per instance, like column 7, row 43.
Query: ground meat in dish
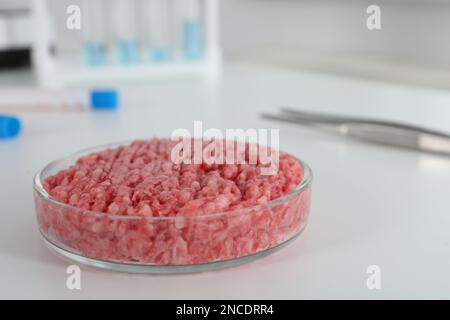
column 206, row 210
column 141, row 180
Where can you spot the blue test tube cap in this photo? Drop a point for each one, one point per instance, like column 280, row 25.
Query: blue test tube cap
column 10, row 126
column 104, row 99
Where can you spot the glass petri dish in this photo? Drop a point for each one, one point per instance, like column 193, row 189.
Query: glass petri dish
column 174, row 244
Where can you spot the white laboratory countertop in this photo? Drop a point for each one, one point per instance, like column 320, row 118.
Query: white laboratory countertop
column 371, row 205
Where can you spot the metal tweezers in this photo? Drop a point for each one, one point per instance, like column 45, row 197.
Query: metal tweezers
column 376, row 131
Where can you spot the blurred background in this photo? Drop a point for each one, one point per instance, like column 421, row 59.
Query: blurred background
column 210, row 45
column 330, row 36
column 325, row 35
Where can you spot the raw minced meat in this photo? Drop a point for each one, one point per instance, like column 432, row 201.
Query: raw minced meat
column 205, row 209
column 141, row 179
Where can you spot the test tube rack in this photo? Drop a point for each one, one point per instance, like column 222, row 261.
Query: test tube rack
column 54, row 70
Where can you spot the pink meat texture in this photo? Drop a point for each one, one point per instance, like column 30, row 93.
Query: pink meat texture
column 134, row 204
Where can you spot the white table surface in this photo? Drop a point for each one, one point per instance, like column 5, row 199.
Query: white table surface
column 371, row 204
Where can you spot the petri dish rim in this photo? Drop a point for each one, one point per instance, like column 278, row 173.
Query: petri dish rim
column 39, row 189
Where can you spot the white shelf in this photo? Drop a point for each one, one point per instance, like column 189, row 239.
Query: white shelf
column 66, row 74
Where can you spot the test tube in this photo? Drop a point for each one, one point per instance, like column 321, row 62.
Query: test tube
column 159, row 30
column 39, row 100
column 94, row 44
column 127, row 46
column 192, row 29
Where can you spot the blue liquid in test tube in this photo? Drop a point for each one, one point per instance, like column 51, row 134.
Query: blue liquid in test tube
column 127, row 45
column 159, row 30
column 93, row 54
column 94, row 46
column 127, row 51
column 192, row 30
